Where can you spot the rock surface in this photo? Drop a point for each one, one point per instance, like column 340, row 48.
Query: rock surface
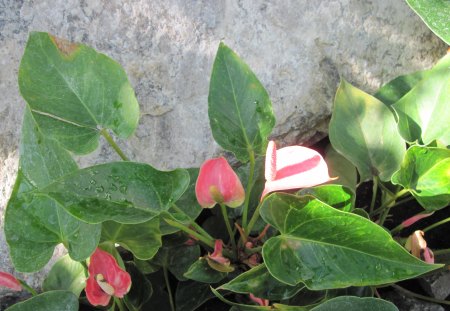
column 298, row 49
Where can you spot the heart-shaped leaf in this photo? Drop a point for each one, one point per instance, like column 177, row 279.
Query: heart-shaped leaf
column 337, row 196
column 239, row 108
column 125, row 192
column 422, row 112
column 191, row 295
column 346, row 303
column 200, row 271
column 34, row 225
column 141, row 290
column 364, row 131
column 74, row 92
column 49, row 301
column 143, row 239
column 326, row 248
column 259, row 282
column 435, row 14
column 66, row 274
column 341, row 168
column 425, row 173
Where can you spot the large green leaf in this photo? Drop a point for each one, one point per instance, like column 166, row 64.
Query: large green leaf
column 239, row 108
column 143, row 239
column 74, row 92
column 200, row 271
column 34, row 225
column 425, row 173
column 364, row 131
column 141, row 290
column 49, row 301
column 125, row 192
column 435, row 14
column 326, row 248
column 340, row 167
column 351, row 303
column 66, row 274
column 262, row 284
column 423, row 112
column 337, row 196
column 190, row 295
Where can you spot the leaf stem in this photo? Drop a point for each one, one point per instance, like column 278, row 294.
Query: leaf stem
column 253, row 220
column 193, row 223
column 437, row 224
column 169, row 290
column 223, row 208
column 385, row 208
column 374, row 194
column 426, row 298
column 113, row 144
column 248, row 190
column 119, row 304
column 27, row 287
column 441, row 251
column 195, row 234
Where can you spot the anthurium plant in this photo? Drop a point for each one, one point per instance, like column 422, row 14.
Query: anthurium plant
column 280, row 230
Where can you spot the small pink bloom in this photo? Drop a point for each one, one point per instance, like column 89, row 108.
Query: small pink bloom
column 8, row 280
column 410, row 221
column 217, row 255
column 292, row 168
column 218, row 183
column 106, row 279
column 417, row 246
column 260, row 301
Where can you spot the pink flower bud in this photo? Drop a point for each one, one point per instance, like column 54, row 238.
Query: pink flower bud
column 106, row 279
column 410, row 221
column 217, row 261
column 259, row 301
column 9, row 281
column 218, row 183
column 292, row 168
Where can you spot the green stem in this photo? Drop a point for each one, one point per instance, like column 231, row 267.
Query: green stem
column 426, row 298
column 193, row 223
column 437, row 224
column 227, row 224
column 390, row 201
column 374, row 193
column 195, row 234
column 119, row 303
column 253, row 220
column 169, row 290
column 113, row 144
column 385, row 208
column 248, row 190
column 27, row 287
column 441, row 251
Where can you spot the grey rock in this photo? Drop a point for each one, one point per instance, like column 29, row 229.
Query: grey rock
column 298, row 49
column 437, row 285
column 405, row 303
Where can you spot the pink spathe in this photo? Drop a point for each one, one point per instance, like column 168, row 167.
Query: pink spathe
column 218, row 183
column 293, row 167
column 9, row 281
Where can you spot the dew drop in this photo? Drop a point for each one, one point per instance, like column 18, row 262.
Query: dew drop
column 123, row 189
column 92, row 182
column 99, row 189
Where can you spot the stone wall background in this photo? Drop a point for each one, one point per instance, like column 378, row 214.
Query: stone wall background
column 298, row 49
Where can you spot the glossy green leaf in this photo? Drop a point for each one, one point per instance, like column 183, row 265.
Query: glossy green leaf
column 239, row 108
column 200, row 271
column 435, row 14
column 74, row 92
column 66, row 274
column 326, row 248
column 423, row 112
column 141, row 289
column 337, row 196
column 143, row 239
column 350, row 303
column 187, row 204
column 262, row 284
column 340, row 167
column 125, row 192
column 425, row 173
column 57, row 300
column 34, row 225
column 364, row 131
column 160, row 297
column 191, row 295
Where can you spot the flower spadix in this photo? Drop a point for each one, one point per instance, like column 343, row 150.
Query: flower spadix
column 218, row 183
column 106, row 279
column 293, row 167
